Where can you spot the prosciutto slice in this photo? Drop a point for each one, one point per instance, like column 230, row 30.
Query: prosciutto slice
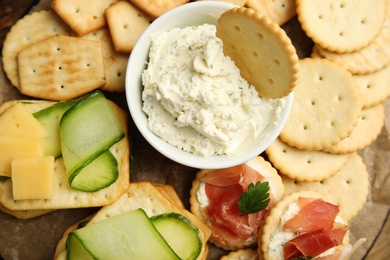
column 309, row 244
column 224, row 188
column 318, row 232
column 317, row 214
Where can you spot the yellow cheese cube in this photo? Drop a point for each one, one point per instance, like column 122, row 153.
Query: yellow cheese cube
column 17, row 120
column 33, row 178
column 13, row 147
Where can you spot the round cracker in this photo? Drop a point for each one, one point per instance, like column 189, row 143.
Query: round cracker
column 326, row 106
column 374, row 86
column 304, row 165
column 348, row 188
column 259, row 164
column 280, row 11
column 260, row 49
column 27, row 31
column 274, row 222
column 342, row 26
column 366, row 131
column 371, row 58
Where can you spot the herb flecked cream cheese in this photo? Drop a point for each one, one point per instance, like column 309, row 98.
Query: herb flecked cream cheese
column 195, row 98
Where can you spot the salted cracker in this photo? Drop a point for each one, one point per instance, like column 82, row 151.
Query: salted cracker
column 28, row 30
column 64, row 196
column 280, row 11
column 115, row 63
column 82, row 16
column 126, row 23
column 369, row 59
column 155, row 8
column 326, row 106
column 374, row 87
column 342, row 25
column 242, row 254
column 260, row 49
column 304, row 165
column 366, row 131
column 349, row 188
column 61, row 68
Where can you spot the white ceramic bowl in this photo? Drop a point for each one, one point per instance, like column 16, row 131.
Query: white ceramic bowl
column 187, row 15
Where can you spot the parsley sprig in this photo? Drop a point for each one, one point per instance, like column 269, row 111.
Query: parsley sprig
column 255, row 199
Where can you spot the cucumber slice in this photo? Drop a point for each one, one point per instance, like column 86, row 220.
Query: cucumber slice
column 100, row 173
column 50, row 119
column 182, row 236
column 87, row 130
column 129, row 235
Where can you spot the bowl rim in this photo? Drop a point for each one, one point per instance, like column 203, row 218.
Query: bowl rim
column 141, row 52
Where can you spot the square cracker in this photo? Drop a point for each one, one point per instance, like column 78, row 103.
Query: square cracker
column 115, row 63
column 82, row 16
column 155, row 8
column 61, row 68
column 126, row 23
column 29, row 30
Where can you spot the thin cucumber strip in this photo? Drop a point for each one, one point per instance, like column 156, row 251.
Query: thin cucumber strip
column 76, row 250
column 100, row 173
column 87, row 130
column 50, row 119
column 129, row 235
column 181, row 235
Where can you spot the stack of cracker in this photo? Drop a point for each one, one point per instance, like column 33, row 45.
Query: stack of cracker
column 76, row 47
column 338, row 108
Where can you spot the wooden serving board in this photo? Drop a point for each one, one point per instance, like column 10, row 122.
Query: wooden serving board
column 37, row 238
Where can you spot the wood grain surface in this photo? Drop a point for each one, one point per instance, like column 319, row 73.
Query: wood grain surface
column 10, row 12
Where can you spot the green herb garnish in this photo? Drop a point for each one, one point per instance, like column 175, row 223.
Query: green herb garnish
column 255, row 199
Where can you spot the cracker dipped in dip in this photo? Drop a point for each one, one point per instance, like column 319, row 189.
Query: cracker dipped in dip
column 195, row 98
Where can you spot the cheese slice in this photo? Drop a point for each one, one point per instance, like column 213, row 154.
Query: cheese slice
column 13, row 147
column 33, row 178
column 17, row 120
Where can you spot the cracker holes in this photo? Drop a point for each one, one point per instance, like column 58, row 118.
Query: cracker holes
column 332, row 123
column 363, row 21
column 284, row 151
column 363, row 117
column 125, row 26
column 348, row 181
column 308, row 161
column 320, row 78
column 77, row 10
column 368, row 86
column 305, row 127
column 260, row 36
column 119, row 74
column 277, row 62
column 340, row 98
column 313, row 102
column 237, row 28
column 256, row 54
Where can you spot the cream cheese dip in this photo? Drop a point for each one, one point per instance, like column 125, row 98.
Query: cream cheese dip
column 195, row 98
